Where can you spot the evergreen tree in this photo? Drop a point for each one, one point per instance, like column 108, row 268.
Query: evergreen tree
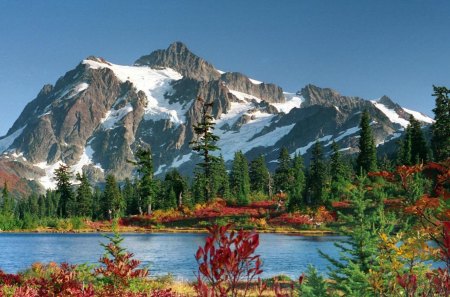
column 198, row 187
column 7, row 202
column 204, row 144
column 259, row 175
column 404, row 151
column 220, row 186
column 146, row 186
column 64, row 188
column 97, row 205
column 113, row 204
column 84, row 196
column 173, row 189
column 318, row 177
column 359, row 249
column 130, row 197
column 419, row 149
column 283, row 177
column 440, row 129
column 367, row 158
column 240, row 179
column 297, row 188
column 338, row 169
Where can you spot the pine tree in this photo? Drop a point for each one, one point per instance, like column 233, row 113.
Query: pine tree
column 367, row 158
column 204, row 144
column 220, row 185
column 7, row 202
column 440, row 129
column 404, row 152
column 295, row 192
column 146, row 186
column 64, row 188
column 283, row 177
column 130, row 197
column 338, row 169
column 84, row 196
column 173, row 188
column 419, row 149
column 240, row 179
column 359, row 249
column 318, row 177
column 113, row 204
column 259, row 176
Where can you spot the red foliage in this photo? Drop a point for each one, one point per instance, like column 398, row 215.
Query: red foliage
column 409, row 283
column 292, row 219
column 9, row 279
column 225, row 260
column 341, row 204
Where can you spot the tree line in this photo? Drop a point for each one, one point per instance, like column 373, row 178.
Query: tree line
column 328, row 177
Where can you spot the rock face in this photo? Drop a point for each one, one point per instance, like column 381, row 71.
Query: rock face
column 97, row 115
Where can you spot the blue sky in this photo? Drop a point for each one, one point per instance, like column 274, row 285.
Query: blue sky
column 357, row 47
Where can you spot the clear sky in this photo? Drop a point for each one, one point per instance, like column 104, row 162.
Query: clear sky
column 357, row 47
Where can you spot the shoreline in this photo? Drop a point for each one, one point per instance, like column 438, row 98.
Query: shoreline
column 134, row 230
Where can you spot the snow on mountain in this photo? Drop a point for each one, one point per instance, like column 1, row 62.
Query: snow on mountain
column 114, row 116
column 6, row 142
column 302, row 150
column 154, row 83
column 419, row 116
column 292, row 101
column 391, row 114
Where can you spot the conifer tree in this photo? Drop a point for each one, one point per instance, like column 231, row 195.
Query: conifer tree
column 204, row 144
column 240, row 179
column 130, row 197
column 283, row 177
column 63, row 176
column 367, row 158
column 338, row 168
column 404, row 151
column 419, row 149
column 440, row 140
column 84, row 196
column 220, row 186
column 113, row 204
column 146, row 186
column 259, row 175
column 297, row 188
column 7, row 202
column 173, row 189
column 318, row 177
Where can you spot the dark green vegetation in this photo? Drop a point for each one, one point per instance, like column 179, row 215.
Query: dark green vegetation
column 396, row 221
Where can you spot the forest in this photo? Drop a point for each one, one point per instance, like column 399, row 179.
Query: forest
column 393, row 211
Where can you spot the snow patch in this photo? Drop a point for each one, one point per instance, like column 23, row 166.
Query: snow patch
column 154, row 83
column 244, row 96
column 292, row 101
column 180, row 160
column 346, row 133
column 113, row 116
column 302, row 150
column 391, row 114
column 254, row 81
column 6, row 142
column 419, row 116
column 48, row 180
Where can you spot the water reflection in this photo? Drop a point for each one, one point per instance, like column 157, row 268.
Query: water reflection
column 163, row 253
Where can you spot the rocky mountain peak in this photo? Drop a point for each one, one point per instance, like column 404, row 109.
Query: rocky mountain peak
column 178, row 57
column 386, row 101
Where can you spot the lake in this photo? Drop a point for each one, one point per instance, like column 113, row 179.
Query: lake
column 162, row 252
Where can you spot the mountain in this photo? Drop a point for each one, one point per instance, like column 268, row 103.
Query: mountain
column 96, row 115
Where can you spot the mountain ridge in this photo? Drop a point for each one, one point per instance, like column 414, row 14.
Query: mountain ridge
column 97, row 114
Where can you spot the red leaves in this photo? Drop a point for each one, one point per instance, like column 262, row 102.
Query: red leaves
column 9, row 279
column 225, row 260
column 408, row 282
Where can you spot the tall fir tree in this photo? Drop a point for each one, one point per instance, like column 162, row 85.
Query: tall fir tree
column 174, row 188
column 259, row 175
column 130, row 196
column 240, row 179
column 113, row 204
column 204, row 144
column 440, row 140
column 84, row 196
column 404, row 148
column 66, row 204
column 219, row 182
column 146, row 186
column 296, row 190
column 7, row 202
column 419, row 148
column 318, row 177
column 338, row 168
column 367, row 157
column 283, row 177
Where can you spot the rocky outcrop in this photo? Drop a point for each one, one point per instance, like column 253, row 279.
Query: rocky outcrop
column 177, row 56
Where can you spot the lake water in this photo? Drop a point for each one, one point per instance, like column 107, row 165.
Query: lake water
column 162, row 252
